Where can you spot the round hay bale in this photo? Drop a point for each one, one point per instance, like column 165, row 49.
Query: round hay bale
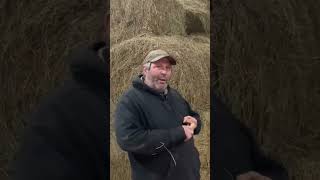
column 165, row 17
column 190, row 75
column 197, row 16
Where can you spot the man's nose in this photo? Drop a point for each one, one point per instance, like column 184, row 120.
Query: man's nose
column 163, row 71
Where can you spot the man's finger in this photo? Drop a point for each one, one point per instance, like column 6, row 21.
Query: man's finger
column 191, row 120
column 193, row 125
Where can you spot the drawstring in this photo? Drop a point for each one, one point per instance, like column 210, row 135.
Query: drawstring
column 162, row 145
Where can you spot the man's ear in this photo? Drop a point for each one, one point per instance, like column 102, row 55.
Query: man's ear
column 144, row 69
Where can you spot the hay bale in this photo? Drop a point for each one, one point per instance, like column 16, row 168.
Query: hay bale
column 197, row 16
column 202, row 142
column 119, row 162
column 165, row 17
column 191, row 74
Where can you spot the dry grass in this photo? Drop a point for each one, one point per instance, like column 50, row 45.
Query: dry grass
column 131, row 18
column 202, row 142
column 34, row 39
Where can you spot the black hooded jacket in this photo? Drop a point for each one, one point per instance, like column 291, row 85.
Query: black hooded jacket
column 235, row 150
column 67, row 137
column 149, row 127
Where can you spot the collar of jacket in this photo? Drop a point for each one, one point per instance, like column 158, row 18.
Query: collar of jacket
column 139, row 84
column 89, row 65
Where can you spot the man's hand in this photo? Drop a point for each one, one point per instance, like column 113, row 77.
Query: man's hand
column 191, row 121
column 252, row 175
column 188, row 131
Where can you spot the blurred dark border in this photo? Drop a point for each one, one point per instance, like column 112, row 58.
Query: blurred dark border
column 265, row 67
column 35, row 38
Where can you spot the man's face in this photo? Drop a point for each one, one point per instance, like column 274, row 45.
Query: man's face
column 158, row 75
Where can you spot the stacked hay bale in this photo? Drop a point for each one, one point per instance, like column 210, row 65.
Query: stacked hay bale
column 179, row 27
column 179, row 17
column 267, row 56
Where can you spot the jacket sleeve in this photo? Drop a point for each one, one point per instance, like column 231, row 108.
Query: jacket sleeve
column 196, row 116
column 133, row 137
column 191, row 111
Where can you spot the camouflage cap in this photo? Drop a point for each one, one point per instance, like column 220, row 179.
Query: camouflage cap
column 158, row 54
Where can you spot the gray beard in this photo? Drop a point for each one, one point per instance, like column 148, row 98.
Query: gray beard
column 165, row 92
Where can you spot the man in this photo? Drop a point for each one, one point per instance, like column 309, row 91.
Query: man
column 155, row 125
column 236, row 156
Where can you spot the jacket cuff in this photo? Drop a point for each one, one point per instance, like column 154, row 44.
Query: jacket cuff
column 198, row 128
